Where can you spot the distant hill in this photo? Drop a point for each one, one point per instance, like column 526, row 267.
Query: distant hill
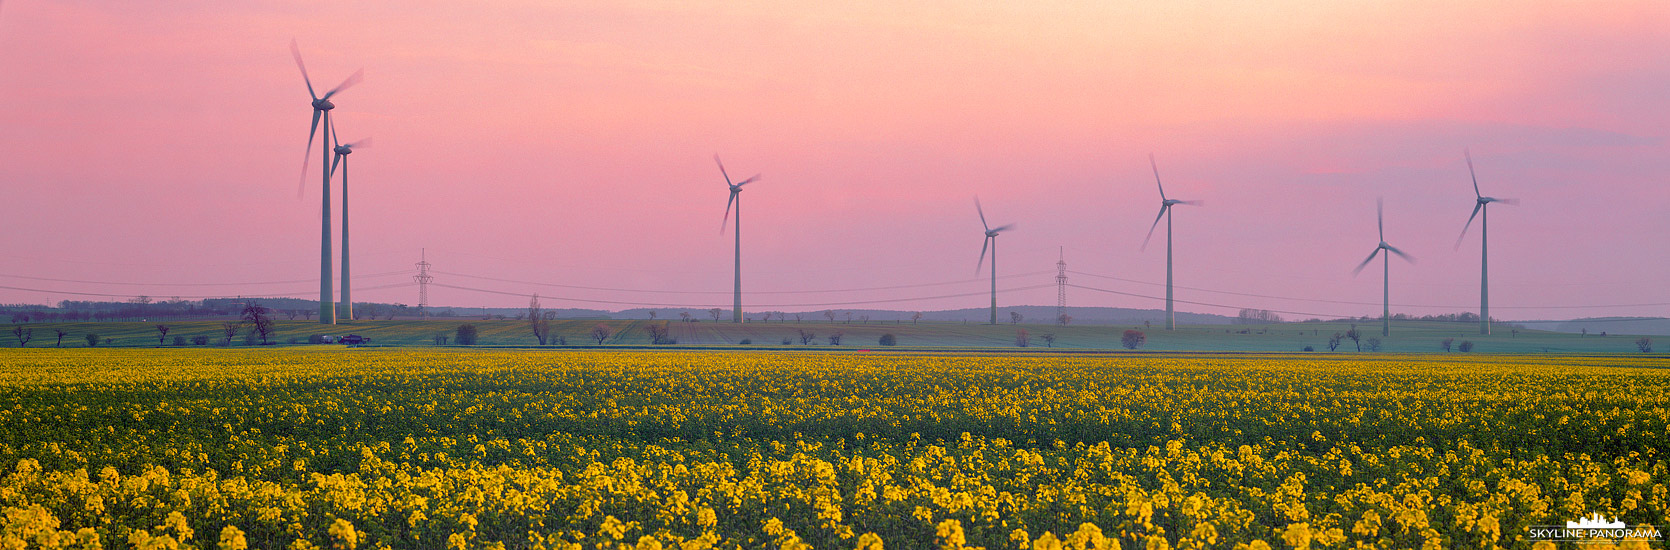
column 1656, row 326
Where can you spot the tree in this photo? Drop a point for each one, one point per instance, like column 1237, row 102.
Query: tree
column 684, row 316
column 536, row 320
column 464, row 335
column 602, row 332
column 888, row 340
column 829, row 314
column 715, row 313
column 291, row 314
column 914, row 317
column 61, row 335
column 835, row 339
column 1063, row 319
column 229, row 330
column 1133, row 339
column 1645, row 345
column 1022, row 339
column 806, row 336
column 1355, row 336
column 797, row 318
column 440, row 338
column 1049, row 339
column 260, row 324
column 652, row 315
column 1334, row 341
column 1445, row 344
column 23, row 335
column 1466, row 346
column 93, row 340
column 657, row 333
column 1257, row 316
column 162, row 335
column 1374, row 344
column 307, row 314
column 849, row 317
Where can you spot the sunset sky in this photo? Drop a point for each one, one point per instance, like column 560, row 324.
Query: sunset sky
column 158, row 145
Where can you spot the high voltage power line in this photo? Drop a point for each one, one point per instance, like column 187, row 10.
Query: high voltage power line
column 664, row 291
column 705, row 306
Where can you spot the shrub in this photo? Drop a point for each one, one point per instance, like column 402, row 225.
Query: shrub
column 464, row 335
column 888, row 340
column 1373, row 344
column 835, row 339
column 1022, row 339
column 1133, row 339
column 93, row 340
column 746, row 342
column 1446, row 344
column 179, row 340
column 788, row 342
column 1465, row 346
column 200, row 340
column 1645, row 345
column 320, row 339
column 1308, row 348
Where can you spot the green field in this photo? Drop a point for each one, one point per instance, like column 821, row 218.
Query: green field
column 316, row 447
column 1414, row 337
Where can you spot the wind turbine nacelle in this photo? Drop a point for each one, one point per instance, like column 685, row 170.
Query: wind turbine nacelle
column 323, row 104
column 343, row 149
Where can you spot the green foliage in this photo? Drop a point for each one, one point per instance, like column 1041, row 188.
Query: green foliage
column 465, row 335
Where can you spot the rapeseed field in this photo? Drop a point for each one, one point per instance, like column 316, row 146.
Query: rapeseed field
column 395, row 448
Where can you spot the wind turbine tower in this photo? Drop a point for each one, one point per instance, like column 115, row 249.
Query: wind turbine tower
column 1481, row 210
column 321, row 109
column 342, row 152
column 736, row 190
column 990, row 241
column 1385, row 267
column 1165, row 212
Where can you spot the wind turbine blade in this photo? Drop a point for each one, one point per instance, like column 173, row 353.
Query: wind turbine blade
column 1510, row 202
column 301, row 186
column 334, row 142
column 1470, row 172
column 748, row 181
column 1193, row 203
column 334, row 163
column 727, row 218
column 1152, row 227
column 983, row 244
column 352, row 80
column 297, row 51
column 1476, row 208
column 361, row 143
column 1002, row 228
column 1360, row 266
column 1156, row 168
column 1400, row 253
column 1380, row 216
column 722, row 169
column 982, row 212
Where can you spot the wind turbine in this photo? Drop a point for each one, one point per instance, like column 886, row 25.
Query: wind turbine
column 736, row 189
column 1386, row 263
column 322, row 108
column 1480, row 207
column 990, row 241
column 341, row 157
column 1165, row 212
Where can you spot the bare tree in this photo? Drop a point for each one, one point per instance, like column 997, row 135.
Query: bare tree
column 1133, row 339
column 61, row 335
column 1048, row 338
column 1465, row 346
column 829, row 314
column 536, row 320
column 162, row 335
column 849, row 317
column 1015, row 317
column 1355, row 336
column 657, row 333
column 1063, row 319
column 864, row 319
column 715, row 313
column 835, row 339
column 684, row 316
column 1022, row 339
column 1333, row 341
column 601, row 332
column 229, row 330
column 652, row 315
column 291, row 314
column 806, row 336
column 797, row 318
column 1445, row 344
column 23, row 335
column 259, row 322
column 1645, row 345
column 914, row 317
column 1373, row 344
column 307, row 314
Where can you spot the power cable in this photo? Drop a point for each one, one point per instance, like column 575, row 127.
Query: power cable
column 704, row 306
column 661, row 291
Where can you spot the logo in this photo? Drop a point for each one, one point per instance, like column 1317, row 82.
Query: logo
column 1595, row 522
column 1595, row 527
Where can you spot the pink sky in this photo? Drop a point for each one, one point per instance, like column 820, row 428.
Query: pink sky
column 571, row 143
